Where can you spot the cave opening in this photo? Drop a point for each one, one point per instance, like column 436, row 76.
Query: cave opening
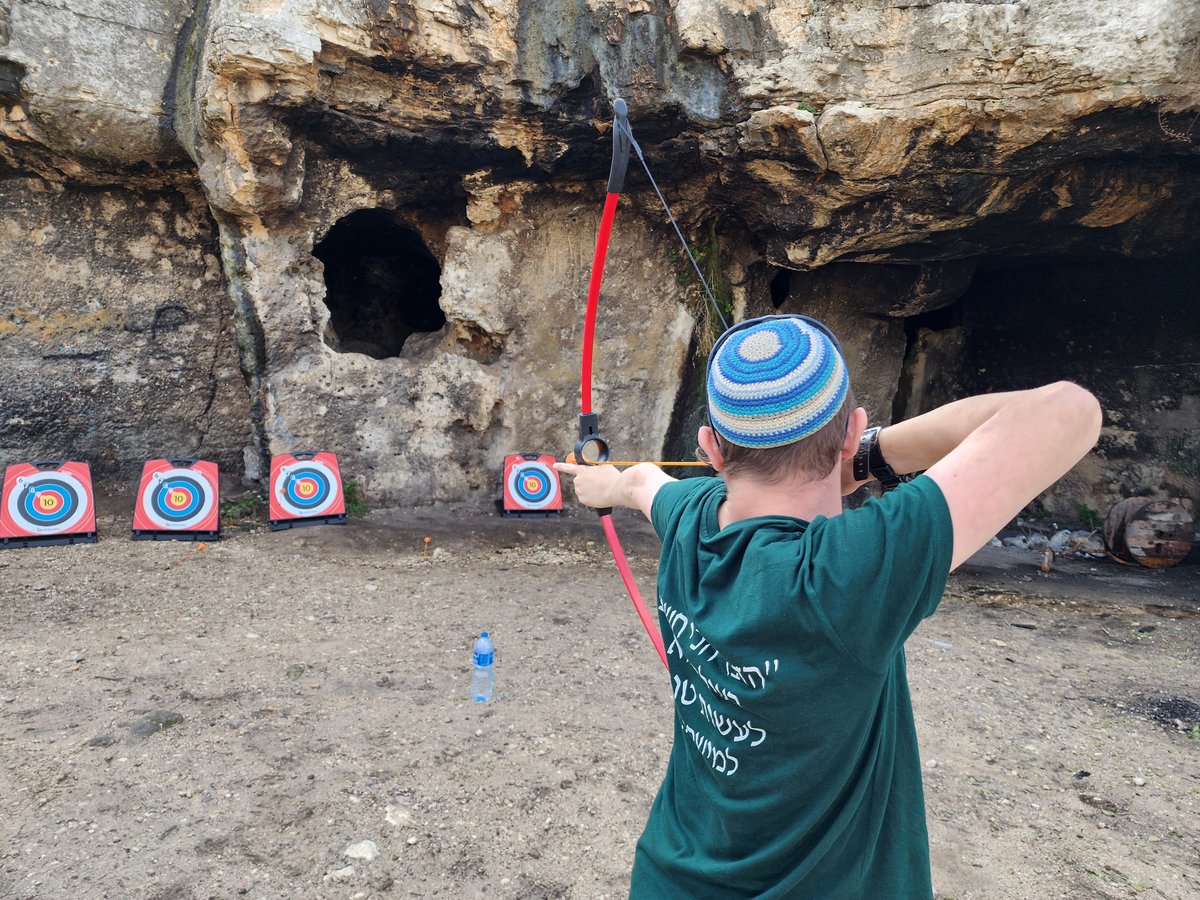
column 921, row 335
column 1098, row 320
column 382, row 284
column 780, row 287
column 1125, row 328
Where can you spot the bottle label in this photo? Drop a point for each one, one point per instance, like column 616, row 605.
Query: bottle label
column 483, row 659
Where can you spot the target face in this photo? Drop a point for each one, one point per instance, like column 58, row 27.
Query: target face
column 179, row 496
column 48, row 503
column 177, row 499
column 532, row 484
column 308, row 488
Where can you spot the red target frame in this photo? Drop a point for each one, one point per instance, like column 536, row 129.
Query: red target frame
column 531, row 486
column 47, row 502
column 178, row 500
column 306, row 489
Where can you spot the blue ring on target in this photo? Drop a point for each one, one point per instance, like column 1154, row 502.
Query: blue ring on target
column 527, row 473
column 68, row 501
column 195, row 494
column 295, row 476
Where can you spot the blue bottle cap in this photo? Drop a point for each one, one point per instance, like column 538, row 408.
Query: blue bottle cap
column 484, row 634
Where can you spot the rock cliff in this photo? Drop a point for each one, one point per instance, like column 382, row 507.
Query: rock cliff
column 383, row 212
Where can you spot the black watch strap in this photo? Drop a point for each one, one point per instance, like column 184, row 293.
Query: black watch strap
column 869, row 461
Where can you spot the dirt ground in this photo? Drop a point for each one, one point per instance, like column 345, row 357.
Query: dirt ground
column 239, row 721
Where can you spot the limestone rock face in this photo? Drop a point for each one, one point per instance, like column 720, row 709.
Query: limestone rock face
column 88, row 84
column 117, row 334
column 401, row 201
column 502, row 375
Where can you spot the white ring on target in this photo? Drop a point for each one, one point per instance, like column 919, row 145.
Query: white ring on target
column 187, row 524
column 16, row 514
column 546, row 472
column 280, row 488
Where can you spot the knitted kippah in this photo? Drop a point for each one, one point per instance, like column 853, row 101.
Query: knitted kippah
column 775, row 382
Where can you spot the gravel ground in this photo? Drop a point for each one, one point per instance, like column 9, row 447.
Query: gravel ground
column 286, row 715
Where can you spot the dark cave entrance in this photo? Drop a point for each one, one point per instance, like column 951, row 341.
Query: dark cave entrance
column 1127, row 329
column 780, row 286
column 382, row 283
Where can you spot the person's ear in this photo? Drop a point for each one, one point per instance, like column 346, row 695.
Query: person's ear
column 711, row 447
column 856, row 424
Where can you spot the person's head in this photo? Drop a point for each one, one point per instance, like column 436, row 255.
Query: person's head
column 779, row 399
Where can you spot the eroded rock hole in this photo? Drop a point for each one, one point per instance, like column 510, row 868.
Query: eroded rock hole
column 382, row 284
column 781, row 287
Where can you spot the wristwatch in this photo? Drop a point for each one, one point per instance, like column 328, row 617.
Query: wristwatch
column 869, row 461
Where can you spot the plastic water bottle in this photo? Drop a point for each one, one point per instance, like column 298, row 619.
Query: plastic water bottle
column 483, row 672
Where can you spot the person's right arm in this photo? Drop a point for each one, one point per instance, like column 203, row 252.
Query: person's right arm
column 601, row 486
column 994, row 453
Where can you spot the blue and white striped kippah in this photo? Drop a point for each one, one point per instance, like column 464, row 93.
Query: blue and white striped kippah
column 775, row 382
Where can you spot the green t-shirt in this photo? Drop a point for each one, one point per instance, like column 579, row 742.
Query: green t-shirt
column 794, row 770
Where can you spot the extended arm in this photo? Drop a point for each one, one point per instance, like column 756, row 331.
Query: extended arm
column 602, row 486
column 992, row 454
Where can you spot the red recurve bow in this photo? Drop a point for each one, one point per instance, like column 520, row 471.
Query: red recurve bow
column 590, row 438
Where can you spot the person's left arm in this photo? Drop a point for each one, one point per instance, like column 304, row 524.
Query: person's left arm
column 601, row 486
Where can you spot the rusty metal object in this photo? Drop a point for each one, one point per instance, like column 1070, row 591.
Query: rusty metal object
column 1152, row 533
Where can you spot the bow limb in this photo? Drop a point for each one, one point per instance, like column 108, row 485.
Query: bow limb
column 593, row 305
column 589, row 426
column 614, row 543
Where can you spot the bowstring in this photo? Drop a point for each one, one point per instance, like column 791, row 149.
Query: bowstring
column 687, row 249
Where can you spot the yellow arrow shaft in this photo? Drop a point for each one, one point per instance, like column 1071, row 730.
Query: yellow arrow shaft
column 653, row 462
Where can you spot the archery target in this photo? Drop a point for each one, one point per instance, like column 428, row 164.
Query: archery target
column 530, row 484
column 306, row 487
column 48, row 503
column 178, row 500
